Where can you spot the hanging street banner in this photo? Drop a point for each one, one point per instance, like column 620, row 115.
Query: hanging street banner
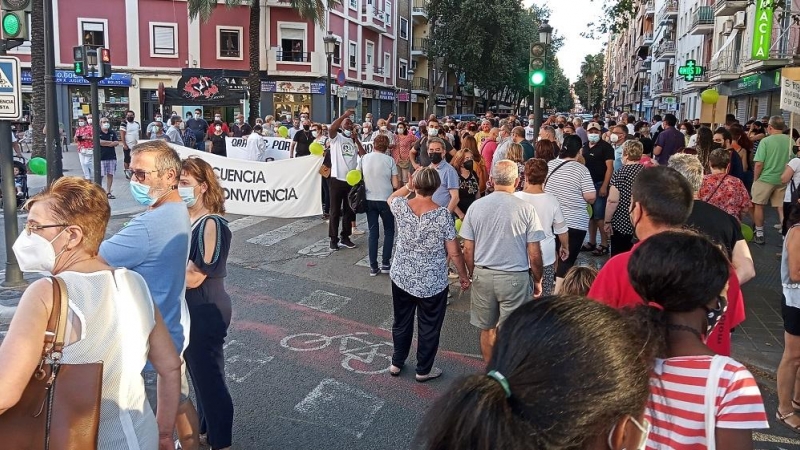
column 762, row 29
column 790, row 96
column 286, row 189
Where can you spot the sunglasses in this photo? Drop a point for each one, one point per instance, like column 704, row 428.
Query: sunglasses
column 140, row 175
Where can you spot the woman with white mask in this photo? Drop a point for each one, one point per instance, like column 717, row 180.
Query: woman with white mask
column 111, row 318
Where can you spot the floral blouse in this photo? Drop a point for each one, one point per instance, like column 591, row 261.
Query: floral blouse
column 420, row 256
column 726, row 192
column 402, row 148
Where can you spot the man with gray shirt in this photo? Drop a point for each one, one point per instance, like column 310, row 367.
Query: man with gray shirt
column 501, row 248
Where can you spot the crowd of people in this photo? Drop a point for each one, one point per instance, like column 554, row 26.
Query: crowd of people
column 636, row 355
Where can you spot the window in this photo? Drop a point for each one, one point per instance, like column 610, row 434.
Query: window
column 164, row 40
column 229, row 43
column 402, row 69
column 293, row 44
column 352, row 54
column 387, row 13
column 93, row 32
column 387, row 65
column 369, row 54
column 337, row 54
column 353, row 4
column 403, row 28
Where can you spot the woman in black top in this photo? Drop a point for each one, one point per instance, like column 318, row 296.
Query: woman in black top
column 468, row 186
column 644, row 137
column 217, row 138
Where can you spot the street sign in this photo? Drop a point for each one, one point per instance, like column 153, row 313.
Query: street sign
column 10, row 88
column 790, row 96
column 340, row 78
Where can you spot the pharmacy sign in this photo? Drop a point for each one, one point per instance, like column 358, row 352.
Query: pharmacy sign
column 762, row 29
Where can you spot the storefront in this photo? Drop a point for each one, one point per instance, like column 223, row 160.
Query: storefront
column 753, row 96
column 286, row 100
column 214, row 91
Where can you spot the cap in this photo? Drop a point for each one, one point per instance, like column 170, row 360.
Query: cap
column 594, row 125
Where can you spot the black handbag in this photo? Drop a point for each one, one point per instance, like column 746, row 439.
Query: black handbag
column 357, row 197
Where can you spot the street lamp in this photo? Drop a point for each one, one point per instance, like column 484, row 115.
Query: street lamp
column 642, row 75
column 330, row 47
column 624, row 88
column 545, row 34
column 410, row 86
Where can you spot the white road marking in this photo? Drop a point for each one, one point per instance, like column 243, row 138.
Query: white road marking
column 341, row 406
column 238, row 367
column 244, row 222
column 277, row 235
column 387, row 324
column 324, row 301
column 320, row 249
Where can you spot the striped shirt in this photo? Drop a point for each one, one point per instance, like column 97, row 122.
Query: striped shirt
column 568, row 184
column 676, row 407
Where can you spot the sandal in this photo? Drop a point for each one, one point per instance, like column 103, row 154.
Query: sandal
column 782, row 419
column 394, row 370
column 601, row 250
column 434, row 373
column 110, row 195
column 588, row 247
column 796, row 405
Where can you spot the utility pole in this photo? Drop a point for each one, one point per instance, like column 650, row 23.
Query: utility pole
column 53, row 155
column 93, row 63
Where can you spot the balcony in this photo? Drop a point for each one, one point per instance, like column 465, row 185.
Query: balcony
column 664, row 51
column 783, row 51
column 419, row 86
column 284, row 56
column 670, row 9
column 645, row 40
column 703, row 21
column 663, row 88
column 373, row 19
column 725, row 67
column 419, row 11
column 649, row 8
column 729, row 7
column 419, row 47
column 699, row 82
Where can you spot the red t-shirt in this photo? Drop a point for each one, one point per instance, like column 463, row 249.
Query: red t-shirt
column 613, row 287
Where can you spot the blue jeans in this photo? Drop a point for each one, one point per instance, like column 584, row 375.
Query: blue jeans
column 380, row 209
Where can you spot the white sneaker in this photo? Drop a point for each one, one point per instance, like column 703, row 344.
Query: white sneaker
column 357, row 232
column 777, row 226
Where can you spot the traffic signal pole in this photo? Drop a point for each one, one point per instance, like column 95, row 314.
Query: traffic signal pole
column 13, row 275
column 537, row 111
column 55, row 168
column 98, row 178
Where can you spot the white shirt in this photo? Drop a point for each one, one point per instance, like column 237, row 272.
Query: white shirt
column 344, row 156
column 132, row 131
column 256, row 147
column 552, row 219
column 794, row 163
column 631, row 129
column 530, row 134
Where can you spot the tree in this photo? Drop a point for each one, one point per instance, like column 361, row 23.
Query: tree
column 313, row 10
column 617, row 17
column 37, row 80
column 589, row 87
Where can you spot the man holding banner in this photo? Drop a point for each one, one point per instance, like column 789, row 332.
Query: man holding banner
column 344, row 152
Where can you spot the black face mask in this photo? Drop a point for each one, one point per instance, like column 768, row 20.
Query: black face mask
column 469, row 165
column 129, row 118
column 436, row 158
column 306, row 127
column 713, row 315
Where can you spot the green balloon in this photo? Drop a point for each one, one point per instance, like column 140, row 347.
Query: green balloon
column 283, row 131
column 353, row 177
column 589, row 210
column 747, row 232
column 38, row 166
column 316, row 149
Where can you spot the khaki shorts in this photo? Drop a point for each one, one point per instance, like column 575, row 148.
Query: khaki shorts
column 496, row 294
column 765, row 193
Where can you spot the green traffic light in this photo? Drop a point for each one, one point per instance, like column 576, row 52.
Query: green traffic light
column 79, row 68
column 11, row 25
column 537, row 78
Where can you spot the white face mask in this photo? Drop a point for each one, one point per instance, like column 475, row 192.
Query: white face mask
column 433, row 131
column 35, row 253
column 197, row 116
column 613, row 138
column 383, row 128
column 643, row 427
column 594, row 138
column 89, row 121
column 314, row 133
column 187, row 195
column 81, row 123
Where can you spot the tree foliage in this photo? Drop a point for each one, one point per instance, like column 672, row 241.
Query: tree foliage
column 616, row 18
column 590, row 82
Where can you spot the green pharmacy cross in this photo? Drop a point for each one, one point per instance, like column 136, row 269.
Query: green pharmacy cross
column 691, row 70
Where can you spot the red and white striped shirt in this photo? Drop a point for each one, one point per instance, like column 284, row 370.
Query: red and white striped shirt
column 676, row 409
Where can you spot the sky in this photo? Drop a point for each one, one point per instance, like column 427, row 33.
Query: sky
column 569, row 19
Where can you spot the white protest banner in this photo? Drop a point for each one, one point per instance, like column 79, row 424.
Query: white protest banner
column 790, row 95
column 277, row 147
column 285, row 188
column 367, row 146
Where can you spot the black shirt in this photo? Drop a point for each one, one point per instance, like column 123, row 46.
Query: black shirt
column 647, row 145
column 722, row 228
column 239, row 131
column 218, row 145
column 108, row 153
column 596, row 158
column 303, row 139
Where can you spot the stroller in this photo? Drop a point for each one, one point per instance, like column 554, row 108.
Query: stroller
column 21, row 180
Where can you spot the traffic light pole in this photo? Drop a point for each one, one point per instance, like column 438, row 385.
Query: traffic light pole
column 13, row 276
column 537, row 111
column 98, row 178
column 53, row 138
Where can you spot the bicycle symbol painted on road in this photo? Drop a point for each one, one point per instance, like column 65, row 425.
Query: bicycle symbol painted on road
column 360, row 355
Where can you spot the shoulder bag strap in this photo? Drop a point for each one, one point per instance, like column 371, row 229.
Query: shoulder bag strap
column 554, row 171
column 710, row 196
column 712, row 385
column 52, row 321
column 60, row 304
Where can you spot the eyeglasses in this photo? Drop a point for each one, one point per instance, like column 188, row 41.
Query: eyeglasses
column 140, row 175
column 31, row 228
